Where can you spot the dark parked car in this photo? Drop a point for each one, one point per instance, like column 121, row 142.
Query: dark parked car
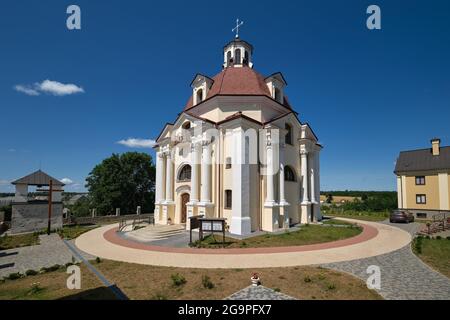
column 401, row 216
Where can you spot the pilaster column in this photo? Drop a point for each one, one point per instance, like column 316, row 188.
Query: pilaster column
column 195, row 162
column 169, row 177
column 312, row 171
column 159, row 177
column 206, row 173
column 270, row 193
column 304, row 167
column 283, row 201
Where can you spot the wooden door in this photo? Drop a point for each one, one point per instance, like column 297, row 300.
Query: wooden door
column 184, row 200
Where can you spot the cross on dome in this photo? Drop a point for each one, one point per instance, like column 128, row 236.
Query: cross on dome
column 236, row 29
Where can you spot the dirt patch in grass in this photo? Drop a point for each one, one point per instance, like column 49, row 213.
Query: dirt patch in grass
column 308, row 234
column 53, row 285
column 153, row 282
column 434, row 252
column 17, row 241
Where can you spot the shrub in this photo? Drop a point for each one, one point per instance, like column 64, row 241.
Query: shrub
column 178, row 280
column 438, row 237
column 331, row 286
column 14, row 276
column 35, row 288
column 448, row 238
column 31, row 272
column 159, row 296
column 307, row 279
column 98, row 260
column 276, row 289
column 207, row 283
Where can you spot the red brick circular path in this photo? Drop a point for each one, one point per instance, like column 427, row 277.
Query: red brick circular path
column 368, row 233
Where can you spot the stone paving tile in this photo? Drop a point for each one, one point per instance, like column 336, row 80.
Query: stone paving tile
column 258, row 293
column 403, row 276
column 51, row 250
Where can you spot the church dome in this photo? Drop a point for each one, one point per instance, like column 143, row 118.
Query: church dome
column 238, row 81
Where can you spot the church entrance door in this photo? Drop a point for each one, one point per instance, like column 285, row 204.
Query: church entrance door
column 184, row 200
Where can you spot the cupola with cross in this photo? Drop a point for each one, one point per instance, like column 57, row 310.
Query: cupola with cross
column 238, row 53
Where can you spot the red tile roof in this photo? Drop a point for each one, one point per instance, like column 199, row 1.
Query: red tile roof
column 237, row 81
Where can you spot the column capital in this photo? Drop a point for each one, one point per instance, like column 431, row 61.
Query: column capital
column 303, row 152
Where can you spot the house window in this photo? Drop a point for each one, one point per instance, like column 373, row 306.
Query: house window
column 185, row 173
column 237, row 56
column 421, row 199
column 228, row 199
column 199, row 95
column 420, row 181
column 421, row 215
column 228, row 163
column 288, row 138
column 186, row 125
column 289, row 174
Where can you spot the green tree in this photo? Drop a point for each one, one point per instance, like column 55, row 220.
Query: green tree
column 123, row 181
column 329, row 198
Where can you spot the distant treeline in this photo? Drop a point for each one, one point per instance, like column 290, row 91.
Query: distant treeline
column 359, row 194
column 365, row 200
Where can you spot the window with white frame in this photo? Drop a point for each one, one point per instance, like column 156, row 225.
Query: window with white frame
column 421, row 199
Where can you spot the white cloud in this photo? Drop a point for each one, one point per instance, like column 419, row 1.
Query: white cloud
column 49, row 87
column 137, row 143
column 67, row 181
column 27, row 90
column 4, row 182
column 12, row 150
column 59, row 89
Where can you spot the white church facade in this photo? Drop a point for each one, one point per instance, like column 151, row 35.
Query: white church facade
column 238, row 151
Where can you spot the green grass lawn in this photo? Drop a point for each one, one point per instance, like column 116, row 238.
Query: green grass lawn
column 308, row 234
column 434, row 252
column 72, row 232
column 337, row 222
column 17, row 241
column 359, row 215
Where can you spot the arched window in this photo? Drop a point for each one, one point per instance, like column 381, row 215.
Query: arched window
column 186, row 125
column 278, row 95
column 246, row 58
column 289, row 174
column 229, row 59
column 237, row 56
column 288, row 138
column 185, row 173
column 199, row 95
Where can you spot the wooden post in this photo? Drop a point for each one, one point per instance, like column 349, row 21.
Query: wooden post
column 50, row 200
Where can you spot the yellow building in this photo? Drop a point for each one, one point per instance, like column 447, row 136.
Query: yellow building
column 423, row 180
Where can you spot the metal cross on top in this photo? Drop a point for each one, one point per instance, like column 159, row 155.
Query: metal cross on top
column 238, row 25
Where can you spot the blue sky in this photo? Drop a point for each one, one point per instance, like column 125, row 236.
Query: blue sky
column 367, row 94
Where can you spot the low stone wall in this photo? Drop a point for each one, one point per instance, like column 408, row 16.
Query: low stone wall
column 105, row 219
column 31, row 217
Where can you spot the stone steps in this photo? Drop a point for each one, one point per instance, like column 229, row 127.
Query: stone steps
column 155, row 232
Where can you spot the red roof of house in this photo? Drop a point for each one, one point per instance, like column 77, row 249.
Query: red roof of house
column 237, row 81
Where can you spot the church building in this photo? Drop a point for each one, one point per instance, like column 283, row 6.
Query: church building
column 238, row 150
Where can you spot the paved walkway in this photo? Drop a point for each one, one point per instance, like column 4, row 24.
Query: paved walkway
column 403, row 274
column 386, row 239
column 258, row 293
column 51, row 250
